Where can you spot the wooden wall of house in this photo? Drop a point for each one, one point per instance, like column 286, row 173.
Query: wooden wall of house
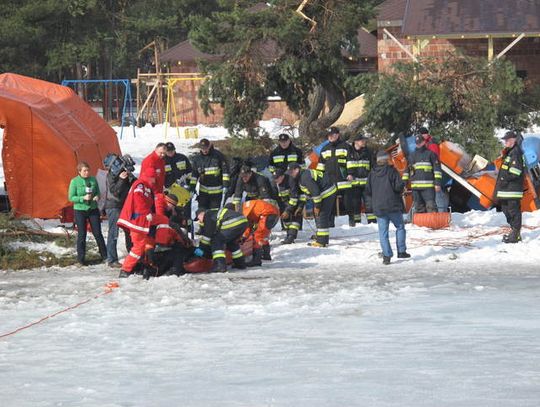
column 525, row 55
column 190, row 113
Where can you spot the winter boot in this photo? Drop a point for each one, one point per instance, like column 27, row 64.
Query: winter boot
column 255, row 258
column 513, row 237
column 124, row 274
column 239, row 263
column 386, row 260
column 291, row 236
column 403, row 255
column 149, row 272
column 220, row 265
column 317, row 244
column 352, row 221
column 266, row 252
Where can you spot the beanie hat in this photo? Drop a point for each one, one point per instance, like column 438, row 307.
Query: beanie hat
column 171, row 199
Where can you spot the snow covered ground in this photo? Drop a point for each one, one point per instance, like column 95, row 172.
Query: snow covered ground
column 456, row 325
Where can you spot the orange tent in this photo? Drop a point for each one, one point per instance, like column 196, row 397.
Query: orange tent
column 48, row 129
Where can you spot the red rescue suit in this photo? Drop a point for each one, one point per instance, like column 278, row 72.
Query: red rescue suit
column 153, row 161
column 135, row 217
column 262, row 217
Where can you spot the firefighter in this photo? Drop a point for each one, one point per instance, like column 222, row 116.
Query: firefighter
column 441, row 197
column 284, row 154
column 221, row 229
column 290, row 204
column 359, row 165
column 156, row 161
column 178, row 170
column 509, row 186
column 256, row 186
column 211, row 169
column 424, row 172
column 333, row 162
column 136, row 216
column 177, row 166
column 317, row 186
column 262, row 217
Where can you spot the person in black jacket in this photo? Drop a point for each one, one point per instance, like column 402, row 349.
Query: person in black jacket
column 221, row 229
column 256, row 186
column 383, row 192
column 117, row 190
column 509, row 186
column 317, row 186
column 359, row 164
column 177, row 166
column 284, row 154
column 290, row 204
column 425, row 174
column 333, row 163
column 211, row 169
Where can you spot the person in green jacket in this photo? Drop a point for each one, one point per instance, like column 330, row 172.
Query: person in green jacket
column 84, row 193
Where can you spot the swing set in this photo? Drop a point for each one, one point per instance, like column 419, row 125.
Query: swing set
column 114, row 107
column 188, row 113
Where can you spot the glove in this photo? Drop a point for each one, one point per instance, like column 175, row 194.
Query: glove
column 298, row 211
column 198, row 252
column 149, row 217
column 285, row 215
column 316, row 211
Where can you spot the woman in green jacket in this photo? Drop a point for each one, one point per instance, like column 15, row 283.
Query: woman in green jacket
column 84, row 193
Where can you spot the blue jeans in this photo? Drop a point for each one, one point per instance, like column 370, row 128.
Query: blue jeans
column 383, row 223
column 112, row 237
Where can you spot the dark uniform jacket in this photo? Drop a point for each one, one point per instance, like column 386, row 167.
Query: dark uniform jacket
column 289, row 193
column 316, row 185
column 359, row 164
column 212, row 171
column 221, row 220
column 333, row 162
column 510, row 178
column 117, row 190
column 383, row 190
column 258, row 187
column 281, row 158
column 424, row 169
column 175, row 168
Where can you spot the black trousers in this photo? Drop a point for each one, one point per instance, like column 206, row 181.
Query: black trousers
column 512, row 210
column 209, row 201
column 424, row 200
column 93, row 217
column 171, row 260
column 325, row 219
column 227, row 239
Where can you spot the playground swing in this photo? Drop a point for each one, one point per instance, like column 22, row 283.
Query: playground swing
column 126, row 117
column 171, row 104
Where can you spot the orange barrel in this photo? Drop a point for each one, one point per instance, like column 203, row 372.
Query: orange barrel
column 432, row 220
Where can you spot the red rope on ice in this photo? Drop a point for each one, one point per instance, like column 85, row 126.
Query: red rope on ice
column 109, row 287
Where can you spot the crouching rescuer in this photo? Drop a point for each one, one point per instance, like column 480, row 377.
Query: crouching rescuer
column 322, row 191
column 262, row 217
column 221, row 229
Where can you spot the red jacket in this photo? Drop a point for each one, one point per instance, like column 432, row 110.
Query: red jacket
column 431, row 145
column 138, row 204
column 166, row 235
column 153, row 160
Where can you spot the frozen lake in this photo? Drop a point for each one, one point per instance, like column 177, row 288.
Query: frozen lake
column 409, row 335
